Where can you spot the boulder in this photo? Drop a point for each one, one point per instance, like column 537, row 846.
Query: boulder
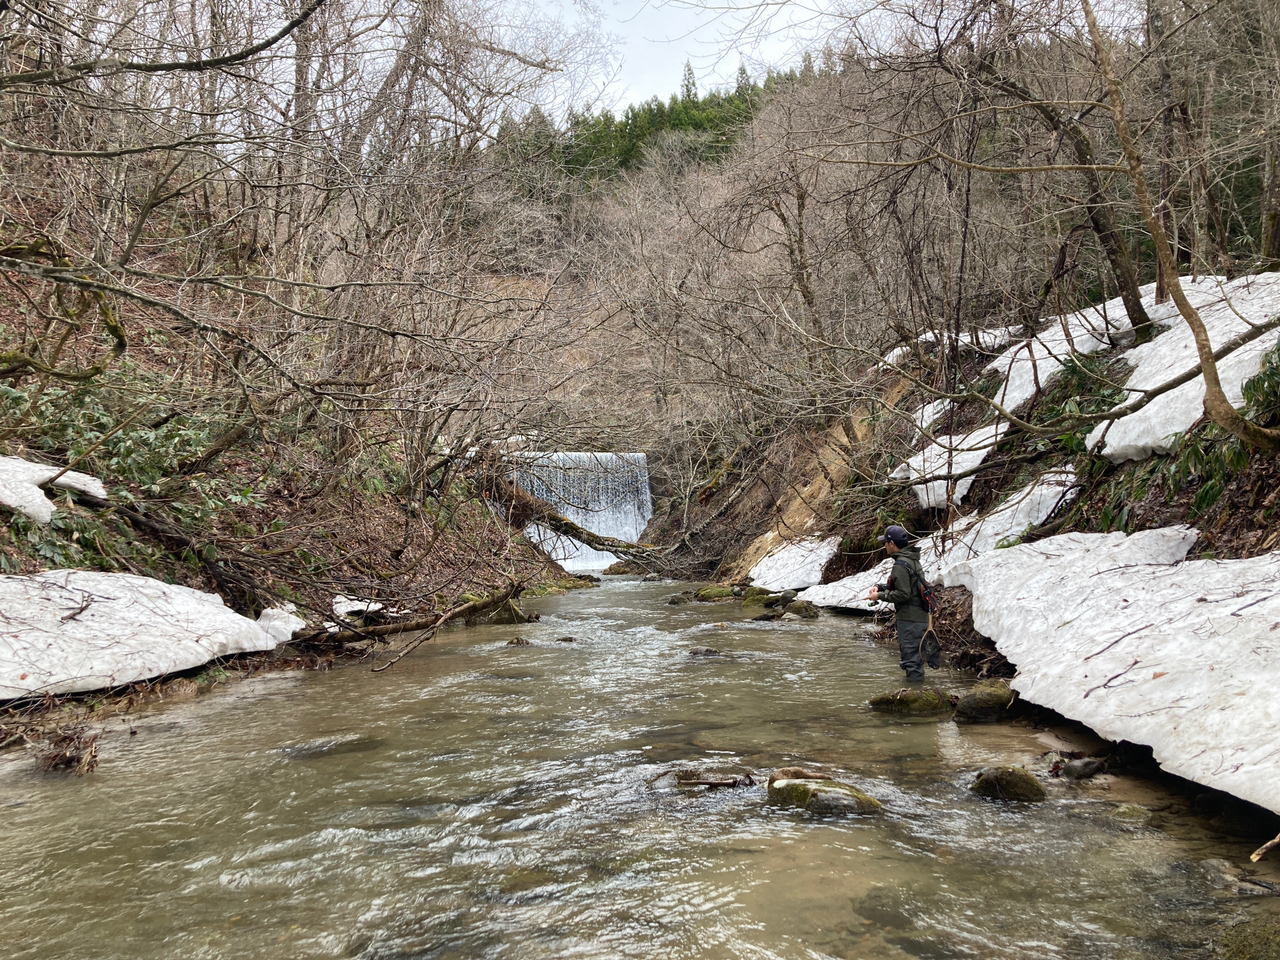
column 914, row 701
column 678, row 599
column 822, row 796
column 1008, row 783
column 986, row 702
column 509, row 614
column 714, row 593
column 754, row 596
column 1084, row 768
column 802, row 609
column 1257, row 939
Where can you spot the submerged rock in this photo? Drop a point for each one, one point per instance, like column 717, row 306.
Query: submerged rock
column 822, row 796
column 679, row 599
column 987, row 702
column 704, row 652
column 802, row 609
column 1257, row 939
column 1009, row 783
column 714, row 593
column 1132, row 814
column 915, row 701
column 1084, row 768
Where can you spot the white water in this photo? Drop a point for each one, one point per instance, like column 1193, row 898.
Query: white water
column 608, row 493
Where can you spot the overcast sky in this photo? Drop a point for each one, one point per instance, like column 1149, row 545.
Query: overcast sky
column 657, row 38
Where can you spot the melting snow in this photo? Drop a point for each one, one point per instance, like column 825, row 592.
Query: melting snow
column 1113, row 632
column 20, row 482
column 1228, row 309
column 794, row 565
column 948, row 456
column 71, row 630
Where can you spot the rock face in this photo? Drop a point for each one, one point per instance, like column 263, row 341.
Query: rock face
column 822, row 796
column 987, row 702
column 1008, row 783
column 915, row 701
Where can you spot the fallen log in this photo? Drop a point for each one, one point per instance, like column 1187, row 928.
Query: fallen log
column 523, row 508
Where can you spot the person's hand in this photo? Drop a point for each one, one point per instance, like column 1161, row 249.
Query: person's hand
column 874, row 594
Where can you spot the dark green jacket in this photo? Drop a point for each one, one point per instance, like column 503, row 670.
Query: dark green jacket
column 901, row 592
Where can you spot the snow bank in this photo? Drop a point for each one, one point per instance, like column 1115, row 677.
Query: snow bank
column 1028, row 365
column 1227, row 309
column 20, row 482
column 1110, row 631
column 66, row 631
column 972, row 536
column 948, row 455
column 794, row 565
column 967, row 538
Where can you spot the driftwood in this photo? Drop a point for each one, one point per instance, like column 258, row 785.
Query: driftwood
column 1263, row 850
column 431, row 624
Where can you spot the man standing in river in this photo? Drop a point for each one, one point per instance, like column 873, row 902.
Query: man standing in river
column 912, row 617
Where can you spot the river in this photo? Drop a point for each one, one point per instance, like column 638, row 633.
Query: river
column 483, row 800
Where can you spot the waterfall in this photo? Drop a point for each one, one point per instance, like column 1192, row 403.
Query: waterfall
column 607, row 493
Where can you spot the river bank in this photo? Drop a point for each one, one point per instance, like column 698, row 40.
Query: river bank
column 482, row 787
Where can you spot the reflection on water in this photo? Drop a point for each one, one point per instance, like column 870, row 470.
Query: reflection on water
column 484, row 800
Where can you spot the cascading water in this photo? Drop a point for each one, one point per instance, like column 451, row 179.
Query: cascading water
column 607, row 493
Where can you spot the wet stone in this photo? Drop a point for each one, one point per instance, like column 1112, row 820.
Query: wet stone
column 822, row 796
column 802, row 609
column 714, row 593
column 1257, row 939
column 1083, row 769
column 704, row 652
column 913, row 701
column 987, row 702
column 1008, row 783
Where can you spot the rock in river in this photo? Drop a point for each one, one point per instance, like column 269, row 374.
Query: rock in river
column 1008, row 783
column 822, row 796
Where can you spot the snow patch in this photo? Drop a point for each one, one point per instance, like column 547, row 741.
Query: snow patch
column 1228, row 309
column 794, row 565
column 66, row 631
column 1028, row 365
column 948, row 455
column 20, row 482
column 1111, row 631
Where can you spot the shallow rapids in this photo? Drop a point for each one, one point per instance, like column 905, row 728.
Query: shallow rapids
column 483, row 800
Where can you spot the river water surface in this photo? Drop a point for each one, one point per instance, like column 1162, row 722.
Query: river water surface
column 482, row 800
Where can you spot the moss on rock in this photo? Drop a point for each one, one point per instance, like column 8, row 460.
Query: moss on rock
column 914, row 701
column 987, row 702
column 1009, row 783
column 822, row 796
column 1253, row 940
column 713, row 593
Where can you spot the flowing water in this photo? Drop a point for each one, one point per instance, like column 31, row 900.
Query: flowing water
column 483, row 800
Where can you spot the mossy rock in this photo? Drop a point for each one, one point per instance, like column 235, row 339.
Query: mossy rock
column 986, row 702
column 509, row 614
column 1132, row 814
column 754, row 596
column 822, row 796
column 802, row 609
column 679, row 599
column 913, row 701
column 1009, row 783
column 1252, row 940
column 714, row 593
